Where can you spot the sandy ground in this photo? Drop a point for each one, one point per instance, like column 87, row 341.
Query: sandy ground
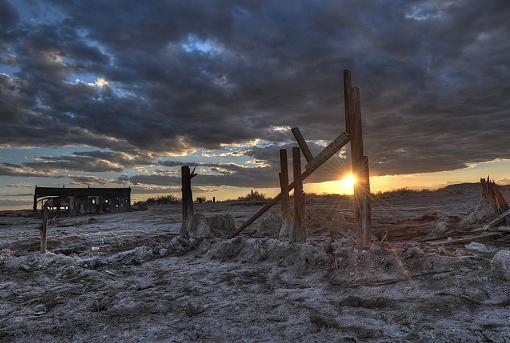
column 128, row 277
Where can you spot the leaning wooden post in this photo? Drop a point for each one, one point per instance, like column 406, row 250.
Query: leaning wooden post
column 284, row 191
column 359, row 169
column 44, row 228
column 187, row 200
column 299, row 232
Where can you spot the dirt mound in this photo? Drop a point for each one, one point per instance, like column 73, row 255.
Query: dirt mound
column 220, row 225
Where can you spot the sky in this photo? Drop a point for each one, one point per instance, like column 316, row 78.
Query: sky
column 122, row 93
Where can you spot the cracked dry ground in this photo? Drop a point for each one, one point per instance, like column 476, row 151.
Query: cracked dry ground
column 253, row 289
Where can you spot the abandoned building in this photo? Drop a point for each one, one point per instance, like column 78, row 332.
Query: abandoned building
column 75, row 201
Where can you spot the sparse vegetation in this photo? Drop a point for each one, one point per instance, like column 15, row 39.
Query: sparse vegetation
column 162, row 200
column 253, row 196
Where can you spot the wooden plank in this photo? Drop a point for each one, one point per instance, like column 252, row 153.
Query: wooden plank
column 302, row 144
column 499, row 219
column 284, row 186
column 187, row 200
column 466, row 239
column 299, row 230
column 337, row 144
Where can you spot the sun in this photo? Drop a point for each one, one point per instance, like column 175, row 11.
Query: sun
column 350, row 180
column 346, row 184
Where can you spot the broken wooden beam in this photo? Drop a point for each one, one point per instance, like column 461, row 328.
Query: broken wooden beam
column 466, row 239
column 299, row 230
column 498, row 220
column 337, row 144
column 302, row 144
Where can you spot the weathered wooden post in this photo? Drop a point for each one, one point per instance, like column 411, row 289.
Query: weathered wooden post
column 187, row 200
column 284, row 191
column 299, row 232
column 44, row 227
column 359, row 164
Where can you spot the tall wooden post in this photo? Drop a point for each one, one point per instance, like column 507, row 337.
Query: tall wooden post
column 44, row 228
column 359, row 168
column 299, row 232
column 284, row 191
column 187, row 200
column 347, row 86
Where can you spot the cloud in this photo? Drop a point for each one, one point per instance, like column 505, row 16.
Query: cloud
column 9, row 169
column 186, row 75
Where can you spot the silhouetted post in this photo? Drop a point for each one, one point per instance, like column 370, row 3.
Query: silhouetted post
column 347, row 86
column 299, row 233
column 44, row 228
column 187, row 200
column 359, row 169
column 213, row 199
column 284, row 191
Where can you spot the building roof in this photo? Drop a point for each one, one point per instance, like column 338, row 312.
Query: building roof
column 92, row 191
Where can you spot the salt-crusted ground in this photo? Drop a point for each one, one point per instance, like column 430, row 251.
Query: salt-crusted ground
column 128, row 277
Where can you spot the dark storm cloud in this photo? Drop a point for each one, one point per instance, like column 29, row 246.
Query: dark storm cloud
column 9, row 169
column 433, row 77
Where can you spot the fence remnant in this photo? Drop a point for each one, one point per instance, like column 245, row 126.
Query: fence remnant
column 359, row 165
column 284, row 191
column 187, row 200
column 359, row 168
column 44, row 226
column 299, row 229
column 317, row 161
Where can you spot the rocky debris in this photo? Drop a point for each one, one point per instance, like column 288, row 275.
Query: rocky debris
column 501, row 264
column 413, row 252
column 39, row 309
column 479, row 247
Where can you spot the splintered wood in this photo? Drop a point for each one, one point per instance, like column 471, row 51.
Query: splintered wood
column 492, row 193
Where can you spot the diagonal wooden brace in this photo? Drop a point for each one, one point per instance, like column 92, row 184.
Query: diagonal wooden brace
column 302, row 144
column 333, row 147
